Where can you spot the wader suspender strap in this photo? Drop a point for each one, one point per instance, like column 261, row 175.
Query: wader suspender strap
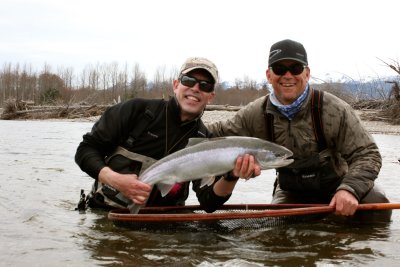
column 146, row 161
column 144, row 121
column 316, row 115
column 269, row 122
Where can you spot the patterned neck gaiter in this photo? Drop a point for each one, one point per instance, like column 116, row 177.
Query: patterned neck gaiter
column 289, row 110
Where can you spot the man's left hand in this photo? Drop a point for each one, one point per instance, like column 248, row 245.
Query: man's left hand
column 345, row 203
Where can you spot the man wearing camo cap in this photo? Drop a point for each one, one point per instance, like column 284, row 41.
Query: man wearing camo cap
column 336, row 159
column 121, row 142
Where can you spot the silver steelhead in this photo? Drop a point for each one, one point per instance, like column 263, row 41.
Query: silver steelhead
column 205, row 158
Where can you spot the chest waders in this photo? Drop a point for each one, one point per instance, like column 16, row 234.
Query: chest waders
column 307, row 175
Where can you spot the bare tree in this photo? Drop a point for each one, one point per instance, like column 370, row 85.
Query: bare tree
column 394, row 65
column 160, row 82
column 50, row 86
column 6, row 82
column 94, row 77
column 114, row 78
column 27, row 83
column 173, row 74
column 264, row 85
column 249, row 83
column 16, row 84
column 139, row 82
column 395, row 90
column 105, row 80
column 66, row 75
column 84, row 78
column 123, row 81
column 238, row 83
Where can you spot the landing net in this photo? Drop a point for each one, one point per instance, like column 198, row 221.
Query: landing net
column 227, row 218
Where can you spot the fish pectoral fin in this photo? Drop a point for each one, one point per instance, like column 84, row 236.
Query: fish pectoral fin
column 164, row 188
column 207, row 181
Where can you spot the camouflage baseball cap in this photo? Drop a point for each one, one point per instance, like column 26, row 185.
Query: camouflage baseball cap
column 193, row 63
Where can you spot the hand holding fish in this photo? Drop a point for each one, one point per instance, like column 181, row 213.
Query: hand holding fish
column 246, row 167
column 127, row 184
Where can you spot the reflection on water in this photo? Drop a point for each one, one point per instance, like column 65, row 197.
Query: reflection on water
column 40, row 186
column 286, row 245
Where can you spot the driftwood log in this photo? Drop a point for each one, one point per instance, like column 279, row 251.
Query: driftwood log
column 14, row 111
column 20, row 110
column 386, row 111
column 222, row 107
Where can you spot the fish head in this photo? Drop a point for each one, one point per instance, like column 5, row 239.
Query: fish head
column 272, row 156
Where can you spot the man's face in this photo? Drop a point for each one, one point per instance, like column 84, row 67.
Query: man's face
column 191, row 99
column 288, row 87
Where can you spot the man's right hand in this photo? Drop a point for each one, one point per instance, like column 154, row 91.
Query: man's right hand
column 127, row 184
column 246, row 167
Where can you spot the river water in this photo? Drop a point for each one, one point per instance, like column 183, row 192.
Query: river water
column 40, row 186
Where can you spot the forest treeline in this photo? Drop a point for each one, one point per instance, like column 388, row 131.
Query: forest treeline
column 103, row 84
column 107, row 83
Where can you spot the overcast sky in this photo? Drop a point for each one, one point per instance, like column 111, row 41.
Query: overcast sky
column 342, row 37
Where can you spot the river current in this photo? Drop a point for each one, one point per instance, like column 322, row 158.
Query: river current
column 39, row 190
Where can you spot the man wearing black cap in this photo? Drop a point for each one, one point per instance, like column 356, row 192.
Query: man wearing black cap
column 133, row 133
column 336, row 159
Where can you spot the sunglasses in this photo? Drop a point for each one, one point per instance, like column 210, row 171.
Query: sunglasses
column 204, row 86
column 294, row 69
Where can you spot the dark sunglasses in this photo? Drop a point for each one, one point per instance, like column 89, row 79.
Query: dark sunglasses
column 294, row 69
column 204, row 86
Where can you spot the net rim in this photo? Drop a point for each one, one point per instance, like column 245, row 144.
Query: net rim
column 226, row 212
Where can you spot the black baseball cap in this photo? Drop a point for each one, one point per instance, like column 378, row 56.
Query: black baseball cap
column 287, row 49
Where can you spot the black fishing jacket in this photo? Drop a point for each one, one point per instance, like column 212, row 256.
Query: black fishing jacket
column 164, row 135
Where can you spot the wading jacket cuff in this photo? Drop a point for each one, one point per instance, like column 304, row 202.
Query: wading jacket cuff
column 349, row 189
column 229, row 177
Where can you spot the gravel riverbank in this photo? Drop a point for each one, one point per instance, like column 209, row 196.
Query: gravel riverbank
column 374, row 127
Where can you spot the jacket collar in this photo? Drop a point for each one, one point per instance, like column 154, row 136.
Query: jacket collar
column 175, row 109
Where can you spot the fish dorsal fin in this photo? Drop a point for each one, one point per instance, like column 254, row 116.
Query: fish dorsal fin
column 196, row 140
